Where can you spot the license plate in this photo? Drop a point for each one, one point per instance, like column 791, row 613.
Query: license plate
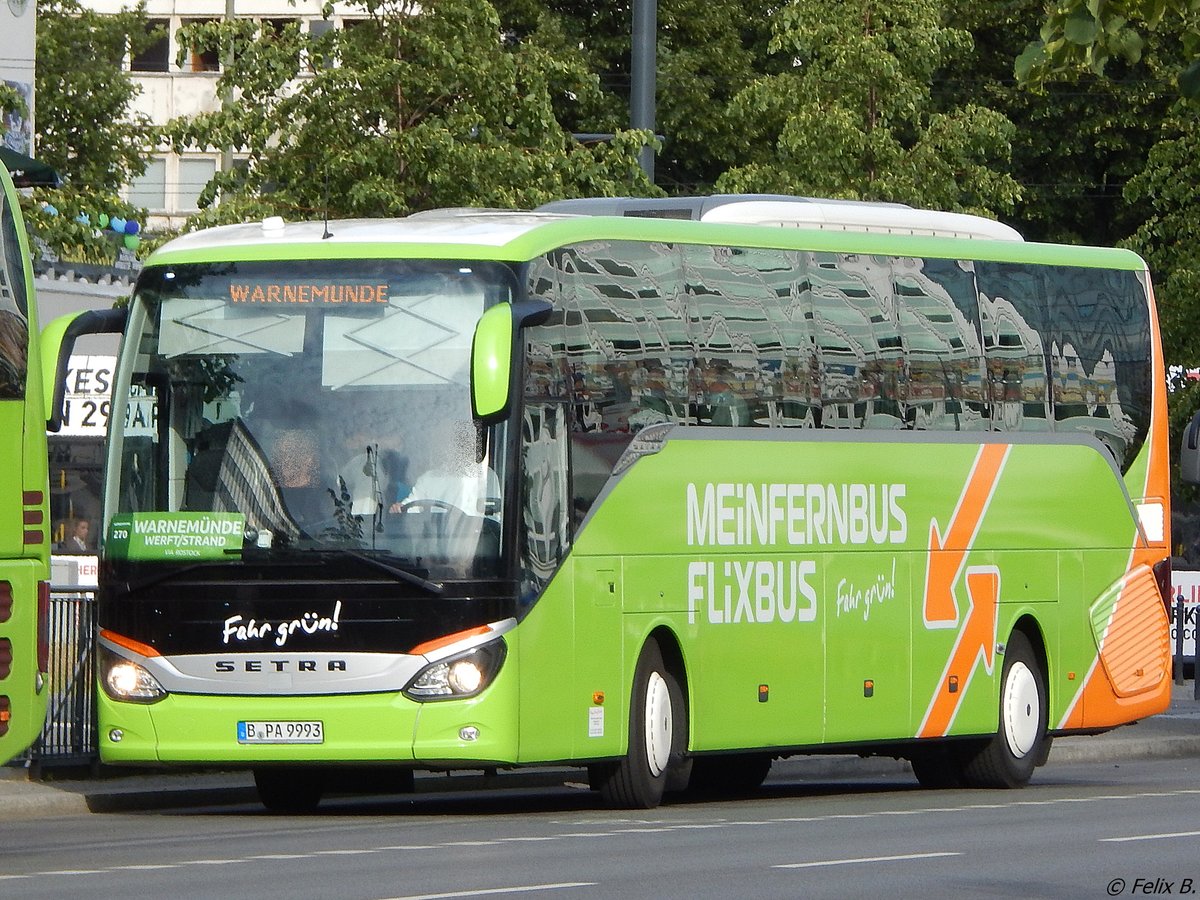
column 280, row 733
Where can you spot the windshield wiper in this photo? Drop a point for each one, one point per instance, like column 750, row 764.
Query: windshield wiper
column 432, row 587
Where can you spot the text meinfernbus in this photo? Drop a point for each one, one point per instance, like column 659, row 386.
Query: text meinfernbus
column 636, row 487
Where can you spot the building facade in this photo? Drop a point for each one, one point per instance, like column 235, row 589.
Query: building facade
column 17, row 42
column 170, row 89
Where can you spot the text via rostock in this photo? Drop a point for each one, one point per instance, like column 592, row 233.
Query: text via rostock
column 752, row 591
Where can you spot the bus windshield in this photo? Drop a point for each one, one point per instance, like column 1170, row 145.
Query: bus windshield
column 306, row 406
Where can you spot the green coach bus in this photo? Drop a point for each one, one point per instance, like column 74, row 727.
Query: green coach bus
column 636, row 487
column 24, row 489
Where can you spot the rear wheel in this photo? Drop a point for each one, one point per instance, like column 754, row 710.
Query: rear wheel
column 289, row 790
column 1019, row 745
column 657, row 737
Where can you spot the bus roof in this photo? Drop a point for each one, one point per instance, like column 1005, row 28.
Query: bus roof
column 795, row 212
column 512, row 236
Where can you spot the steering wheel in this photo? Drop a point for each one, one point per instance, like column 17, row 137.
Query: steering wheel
column 429, row 504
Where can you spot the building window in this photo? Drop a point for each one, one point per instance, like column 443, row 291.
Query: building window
column 149, row 190
column 155, row 57
column 202, row 59
column 194, row 175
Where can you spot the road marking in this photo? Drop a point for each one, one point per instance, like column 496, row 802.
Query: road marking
column 280, row 856
column 1150, row 837
column 210, row 862
column 862, row 859
column 483, row 892
column 74, row 872
column 147, row 867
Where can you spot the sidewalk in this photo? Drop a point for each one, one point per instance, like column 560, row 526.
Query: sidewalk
column 1175, row 733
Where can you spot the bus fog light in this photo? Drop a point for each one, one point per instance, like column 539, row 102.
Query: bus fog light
column 125, row 680
column 468, row 733
column 461, row 676
column 116, row 735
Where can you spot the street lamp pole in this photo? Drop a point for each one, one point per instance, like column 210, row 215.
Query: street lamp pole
column 643, row 70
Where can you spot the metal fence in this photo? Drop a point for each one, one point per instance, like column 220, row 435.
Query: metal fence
column 69, row 736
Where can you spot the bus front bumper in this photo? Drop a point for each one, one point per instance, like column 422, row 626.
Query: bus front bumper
column 359, row 728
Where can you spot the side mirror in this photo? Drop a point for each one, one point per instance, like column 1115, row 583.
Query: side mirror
column 495, row 352
column 58, row 340
column 1189, row 452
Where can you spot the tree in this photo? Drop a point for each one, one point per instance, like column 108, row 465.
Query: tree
column 86, row 127
column 1086, row 35
column 852, row 116
column 707, row 51
column 416, row 106
column 1076, row 144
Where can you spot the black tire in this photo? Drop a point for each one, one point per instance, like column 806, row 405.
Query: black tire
column 1019, row 745
column 729, row 774
column 287, row 790
column 657, row 738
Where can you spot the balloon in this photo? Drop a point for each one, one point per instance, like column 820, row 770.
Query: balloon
column 117, row 224
column 132, row 227
column 102, row 220
column 132, row 241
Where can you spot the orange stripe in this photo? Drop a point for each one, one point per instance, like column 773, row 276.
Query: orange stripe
column 129, row 643
column 947, row 555
column 422, row 649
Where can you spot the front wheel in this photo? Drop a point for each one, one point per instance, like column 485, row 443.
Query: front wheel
column 657, row 737
column 1019, row 745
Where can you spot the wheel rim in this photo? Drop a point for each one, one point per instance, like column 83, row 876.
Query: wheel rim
column 1022, row 710
column 659, row 724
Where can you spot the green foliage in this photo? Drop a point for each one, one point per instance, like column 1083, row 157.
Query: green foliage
column 86, row 127
column 852, row 115
column 707, row 51
column 1080, row 36
column 1169, row 236
column 402, row 112
column 1075, row 144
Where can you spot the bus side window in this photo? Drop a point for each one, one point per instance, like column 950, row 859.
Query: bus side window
column 14, row 324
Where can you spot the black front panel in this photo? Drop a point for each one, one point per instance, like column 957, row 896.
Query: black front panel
column 222, row 608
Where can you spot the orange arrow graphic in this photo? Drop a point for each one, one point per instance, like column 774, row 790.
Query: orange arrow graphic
column 976, row 640
column 947, row 555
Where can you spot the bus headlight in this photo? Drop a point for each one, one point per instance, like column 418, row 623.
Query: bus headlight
column 125, row 680
column 459, row 676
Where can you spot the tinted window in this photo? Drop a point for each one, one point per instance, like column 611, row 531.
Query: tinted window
column 14, row 324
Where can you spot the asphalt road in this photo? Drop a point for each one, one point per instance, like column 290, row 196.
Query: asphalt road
column 1082, row 830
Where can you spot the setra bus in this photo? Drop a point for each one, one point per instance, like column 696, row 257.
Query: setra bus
column 621, row 488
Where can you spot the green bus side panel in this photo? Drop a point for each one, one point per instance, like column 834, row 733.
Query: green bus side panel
column 27, row 707
column 825, row 635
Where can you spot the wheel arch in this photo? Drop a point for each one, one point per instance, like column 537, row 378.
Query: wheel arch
column 1028, row 625
column 672, row 653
